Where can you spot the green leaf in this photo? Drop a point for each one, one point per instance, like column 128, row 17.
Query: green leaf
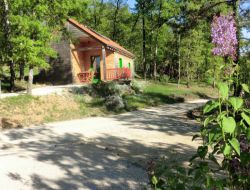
column 202, row 151
column 208, row 120
column 246, row 118
column 210, row 106
column 214, row 135
column 228, row 124
column 236, row 102
column 248, row 133
column 227, row 149
column 154, row 180
column 223, row 90
column 221, row 115
column 236, row 145
column 245, row 88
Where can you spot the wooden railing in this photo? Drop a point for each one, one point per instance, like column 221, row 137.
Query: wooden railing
column 111, row 74
column 118, row 73
column 85, row 77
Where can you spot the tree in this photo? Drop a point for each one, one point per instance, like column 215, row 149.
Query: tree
column 6, row 40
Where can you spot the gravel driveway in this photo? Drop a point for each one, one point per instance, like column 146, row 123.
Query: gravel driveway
column 95, row 153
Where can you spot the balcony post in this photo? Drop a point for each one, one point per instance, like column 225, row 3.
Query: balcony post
column 104, row 63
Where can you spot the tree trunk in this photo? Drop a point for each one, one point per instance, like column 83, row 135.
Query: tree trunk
column 156, row 40
column 237, row 87
column 30, row 81
column 188, row 77
column 188, row 66
column 114, row 33
column 12, row 76
column 0, row 88
column 214, row 77
column 21, row 71
column 179, row 59
column 144, row 42
column 155, row 64
column 7, row 30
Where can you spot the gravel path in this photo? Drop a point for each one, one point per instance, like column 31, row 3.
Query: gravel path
column 43, row 91
column 95, row 153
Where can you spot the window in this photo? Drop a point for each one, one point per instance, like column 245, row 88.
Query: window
column 120, row 63
column 129, row 65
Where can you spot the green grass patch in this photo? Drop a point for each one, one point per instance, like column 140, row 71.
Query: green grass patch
column 155, row 94
column 20, row 101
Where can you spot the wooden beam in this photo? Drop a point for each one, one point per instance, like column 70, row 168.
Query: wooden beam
column 104, row 62
column 87, row 49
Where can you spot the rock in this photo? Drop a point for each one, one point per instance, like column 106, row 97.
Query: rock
column 6, row 123
column 114, row 103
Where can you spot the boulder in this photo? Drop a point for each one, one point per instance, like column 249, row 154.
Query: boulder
column 6, row 123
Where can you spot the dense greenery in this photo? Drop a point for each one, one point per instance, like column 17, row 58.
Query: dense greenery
column 170, row 38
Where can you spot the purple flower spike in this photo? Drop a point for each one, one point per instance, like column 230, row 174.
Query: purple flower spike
column 224, row 36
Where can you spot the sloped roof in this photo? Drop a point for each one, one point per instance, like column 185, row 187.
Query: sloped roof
column 102, row 39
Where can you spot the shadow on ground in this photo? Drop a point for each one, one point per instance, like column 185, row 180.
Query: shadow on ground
column 106, row 162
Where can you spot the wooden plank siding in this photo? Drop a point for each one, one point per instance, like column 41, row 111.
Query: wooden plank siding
column 125, row 62
column 81, row 60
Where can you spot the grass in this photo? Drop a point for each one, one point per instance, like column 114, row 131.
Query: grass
column 29, row 110
column 155, row 94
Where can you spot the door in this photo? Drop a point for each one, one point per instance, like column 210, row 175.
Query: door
column 120, row 63
column 96, row 66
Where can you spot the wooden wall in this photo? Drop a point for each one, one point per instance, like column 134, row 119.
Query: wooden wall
column 81, row 60
column 125, row 60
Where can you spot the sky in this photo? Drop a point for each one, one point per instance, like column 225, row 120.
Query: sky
column 131, row 3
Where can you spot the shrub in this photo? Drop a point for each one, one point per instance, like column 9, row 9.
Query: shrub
column 137, row 87
column 126, row 73
column 164, row 79
column 105, row 89
column 114, row 103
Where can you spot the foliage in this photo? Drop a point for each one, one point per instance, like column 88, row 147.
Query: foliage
column 222, row 161
column 137, row 86
column 164, row 79
column 105, row 89
column 226, row 129
column 114, row 103
column 150, row 31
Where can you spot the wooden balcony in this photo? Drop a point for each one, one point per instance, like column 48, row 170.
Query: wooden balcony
column 118, row 73
column 111, row 74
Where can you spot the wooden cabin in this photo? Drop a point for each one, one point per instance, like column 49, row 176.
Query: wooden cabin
column 90, row 56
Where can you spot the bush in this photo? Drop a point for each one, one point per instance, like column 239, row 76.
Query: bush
column 114, row 103
column 105, row 89
column 137, row 87
column 164, row 79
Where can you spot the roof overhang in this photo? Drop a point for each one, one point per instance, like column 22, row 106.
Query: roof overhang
column 77, row 31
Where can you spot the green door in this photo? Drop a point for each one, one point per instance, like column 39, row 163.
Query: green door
column 120, row 63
